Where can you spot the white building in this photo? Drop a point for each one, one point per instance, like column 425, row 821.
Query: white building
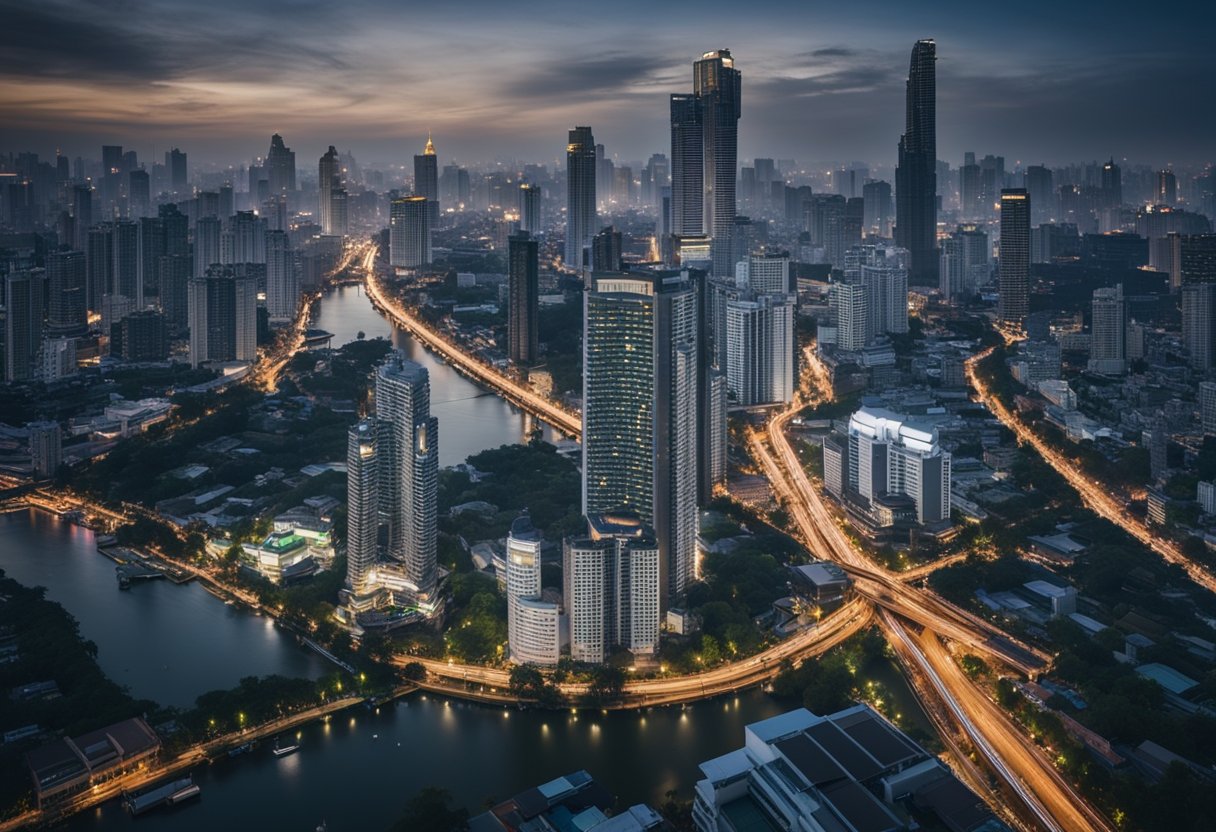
column 888, row 454
column 362, row 504
column 767, row 274
column 612, row 588
column 849, row 305
column 533, row 624
column 58, row 359
column 760, row 349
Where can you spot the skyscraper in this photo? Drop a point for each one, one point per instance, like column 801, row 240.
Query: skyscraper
column 916, row 171
column 22, row 323
column 606, row 250
column 876, row 199
column 522, row 299
column 280, row 166
column 426, row 180
column 612, row 587
column 67, row 311
column 82, row 216
column 362, row 503
column 889, row 454
column 409, row 241
column 529, row 209
column 581, row 219
column 852, row 317
column 1108, row 332
column 223, row 311
column 207, row 232
column 409, row 468
column 175, row 162
column 640, row 365
column 1112, row 185
column 718, row 87
column 329, row 179
column 282, row 286
column 1167, row 187
column 687, row 166
column 760, row 348
column 1014, row 265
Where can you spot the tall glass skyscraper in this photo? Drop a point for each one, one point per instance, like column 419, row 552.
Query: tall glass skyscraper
column 362, row 502
column 522, row 299
column 916, row 171
column 580, row 195
column 704, row 155
column 409, row 236
column 640, row 411
column 426, row 180
column 1014, row 262
column 409, row 468
column 329, row 173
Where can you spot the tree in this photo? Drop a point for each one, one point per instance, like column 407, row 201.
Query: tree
column 432, row 810
column 414, row 671
column 606, row 685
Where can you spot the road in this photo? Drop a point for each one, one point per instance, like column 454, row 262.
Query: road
column 1046, row 796
column 835, row 628
column 1049, row 797
column 514, row 391
column 1092, row 493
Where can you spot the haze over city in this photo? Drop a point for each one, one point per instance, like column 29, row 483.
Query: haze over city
column 1045, row 82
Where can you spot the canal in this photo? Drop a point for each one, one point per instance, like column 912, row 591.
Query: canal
column 170, row 643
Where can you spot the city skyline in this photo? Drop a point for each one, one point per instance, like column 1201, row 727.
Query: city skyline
column 77, row 76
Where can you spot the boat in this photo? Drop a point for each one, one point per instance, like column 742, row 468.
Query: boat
column 185, row 794
column 240, row 749
column 284, row 750
column 158, row 795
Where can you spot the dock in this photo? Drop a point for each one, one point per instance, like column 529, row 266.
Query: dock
column 164, row 794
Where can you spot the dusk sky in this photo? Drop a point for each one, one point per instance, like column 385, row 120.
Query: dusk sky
column 1039, row 81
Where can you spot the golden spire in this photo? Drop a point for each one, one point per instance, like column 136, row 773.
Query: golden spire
column 429, row 150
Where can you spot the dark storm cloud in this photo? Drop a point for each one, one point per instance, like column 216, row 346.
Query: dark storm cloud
column 583, row 76
column 833, row 52
column 157, row 41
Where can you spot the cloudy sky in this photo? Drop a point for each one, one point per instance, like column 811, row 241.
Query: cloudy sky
column 1036, row 81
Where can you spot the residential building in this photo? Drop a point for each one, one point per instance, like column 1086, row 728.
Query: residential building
column 23, row 293
column 1108, row 332
column 533, row 623
column 223, row 309
column 362, row 503
column 760, row 349
column 523, row 316
column 282, row 283
column 46, row 448
column 890, row 454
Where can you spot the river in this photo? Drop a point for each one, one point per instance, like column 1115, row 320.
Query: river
column 170, row 643
column 471, row 419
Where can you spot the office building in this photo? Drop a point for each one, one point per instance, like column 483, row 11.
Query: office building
column 329, row 180
column 687, row 166
column 718, row 88
column 890, row 454
column 581, row 216
column 223, row 313
column 1207, row 407
column 640, row 410
column 23, row 293
column 1040, row 188
column 141, row 336
column 409, row 468
column 850, row 770
column 426, row 181
column 523, row 315
column 362, row 503
column 850, row 309
column 67, row 310
column 606, row 250
column 916, row 171
column 207, row 233
column 1014, row 263
column 282, row 285
column 280, row 167
column 46, row 448
column 611, row 588
column 876, row 200
column 409, row 241
column 1167, row 188
column 1108, row 332
column 766, row 274
column 529, row 209
column 533, row 624
column 175, row 163
column 760, row 349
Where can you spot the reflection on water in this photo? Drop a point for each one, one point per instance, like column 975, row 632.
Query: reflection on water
column 471, row 419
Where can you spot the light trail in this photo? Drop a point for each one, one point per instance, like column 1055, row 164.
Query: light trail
column 1092, row 494
column 518, row 394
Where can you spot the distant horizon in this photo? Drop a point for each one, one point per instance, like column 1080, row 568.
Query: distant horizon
column 818, row 84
